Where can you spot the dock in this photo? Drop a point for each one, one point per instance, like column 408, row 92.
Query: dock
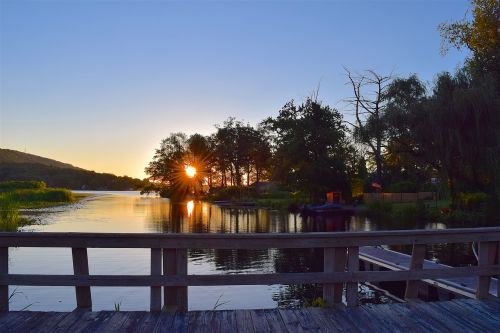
column 463, row 315
column 383, row 258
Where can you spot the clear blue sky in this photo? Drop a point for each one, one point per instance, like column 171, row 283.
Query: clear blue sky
column 99, row 83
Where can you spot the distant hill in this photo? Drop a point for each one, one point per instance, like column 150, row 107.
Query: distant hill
column 15, row 165
column 14, row 156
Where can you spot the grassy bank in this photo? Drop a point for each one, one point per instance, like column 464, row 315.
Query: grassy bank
column 35, row 194
column 468, row 212
column 274, row 199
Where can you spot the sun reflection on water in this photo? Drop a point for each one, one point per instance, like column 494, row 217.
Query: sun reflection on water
column 190, row 207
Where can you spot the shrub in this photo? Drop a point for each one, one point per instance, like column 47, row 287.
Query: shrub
column 41, row 195
column 9, row 215
column 472, row 201
column 13, row 185
column 403, row 187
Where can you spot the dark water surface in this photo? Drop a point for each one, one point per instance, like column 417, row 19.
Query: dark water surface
column 130, row 212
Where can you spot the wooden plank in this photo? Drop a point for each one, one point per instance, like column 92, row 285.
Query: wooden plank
column 244, row 279
column 498, row 276
column 486, row 256
column 4, row 288
column 47, row 324
column 180, row 323
column 227, row 321
column 101, row 320
column 417, row 262
column 148, row 322
column 164, row 323
column 156, row 262
column 259, row 321
column 334, row 260
column 290, row 320
column 247, row 241
column 81, row 268
column 468, row 318
column 352, row 266
column 244, row 321
column 132, row 321
column 274, row 320
column 175, row 266
column 64, row 324
column 308, row 323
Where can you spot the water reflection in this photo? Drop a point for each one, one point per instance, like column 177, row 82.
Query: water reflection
column 129, row 212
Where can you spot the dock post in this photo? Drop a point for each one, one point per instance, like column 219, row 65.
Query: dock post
column 487, row 253
column 352, row 266
column 155, row 301
column 334, row 261
column 175, row 263
column 417, row 263
column 81, row 268
column 4, row 269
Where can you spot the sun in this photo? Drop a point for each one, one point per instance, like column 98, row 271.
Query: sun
column 190, row 171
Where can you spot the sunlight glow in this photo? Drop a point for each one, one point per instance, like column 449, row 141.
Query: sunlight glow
column 190, row 171
column 190, row 207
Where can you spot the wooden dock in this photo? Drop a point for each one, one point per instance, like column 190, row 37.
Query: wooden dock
column 465, row 286
column 452, row 316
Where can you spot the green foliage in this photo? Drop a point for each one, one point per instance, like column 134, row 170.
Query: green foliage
column 9, row 215
column 410, row 212
column 472, row 201
column 9, row 186
column 318, row 302
column 312, row 151
column 403, row 187
column 71, row 178
column 41, row 195
column 232, row 193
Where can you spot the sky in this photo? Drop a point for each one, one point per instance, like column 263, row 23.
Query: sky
column 99, row 84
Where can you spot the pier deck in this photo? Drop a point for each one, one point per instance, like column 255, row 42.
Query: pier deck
column 464, row 315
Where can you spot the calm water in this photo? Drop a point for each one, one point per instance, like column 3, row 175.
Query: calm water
column 130, row 212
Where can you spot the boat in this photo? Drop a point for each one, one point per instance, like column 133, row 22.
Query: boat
column 327, row 209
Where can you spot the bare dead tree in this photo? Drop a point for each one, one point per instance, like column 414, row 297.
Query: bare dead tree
column 368, row 104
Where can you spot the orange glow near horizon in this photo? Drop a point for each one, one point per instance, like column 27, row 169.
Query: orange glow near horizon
column 190, row 207
column 190, row 171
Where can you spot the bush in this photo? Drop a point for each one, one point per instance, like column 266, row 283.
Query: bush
column 10, row 186
column 403, row 187
column 472, row 201
column 41, row 195
column 410, row 212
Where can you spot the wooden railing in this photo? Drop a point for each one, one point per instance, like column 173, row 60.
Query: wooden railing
column 341, row 261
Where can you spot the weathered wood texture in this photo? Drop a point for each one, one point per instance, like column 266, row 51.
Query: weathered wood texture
column 462, row 285
column 81, row 268
column 156, row 265
column 417, row 262
column 246, row 241
column 451, row 316
column 4, row 288
column 171, row 250
column 352, row 267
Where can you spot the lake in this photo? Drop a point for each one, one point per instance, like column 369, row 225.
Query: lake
column 130, row 212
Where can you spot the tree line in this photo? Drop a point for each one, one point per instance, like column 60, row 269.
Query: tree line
column 402, row 131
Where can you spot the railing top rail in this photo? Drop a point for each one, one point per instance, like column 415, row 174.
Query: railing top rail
column 247, row 241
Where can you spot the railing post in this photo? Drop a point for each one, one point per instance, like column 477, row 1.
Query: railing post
column 487, row 253
column 352, row 266
column 498, row 263
column 334, row 261
column 4, row 269
column 416, row 263
column 81, row 268
column 155, row 302
column 175, row 263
